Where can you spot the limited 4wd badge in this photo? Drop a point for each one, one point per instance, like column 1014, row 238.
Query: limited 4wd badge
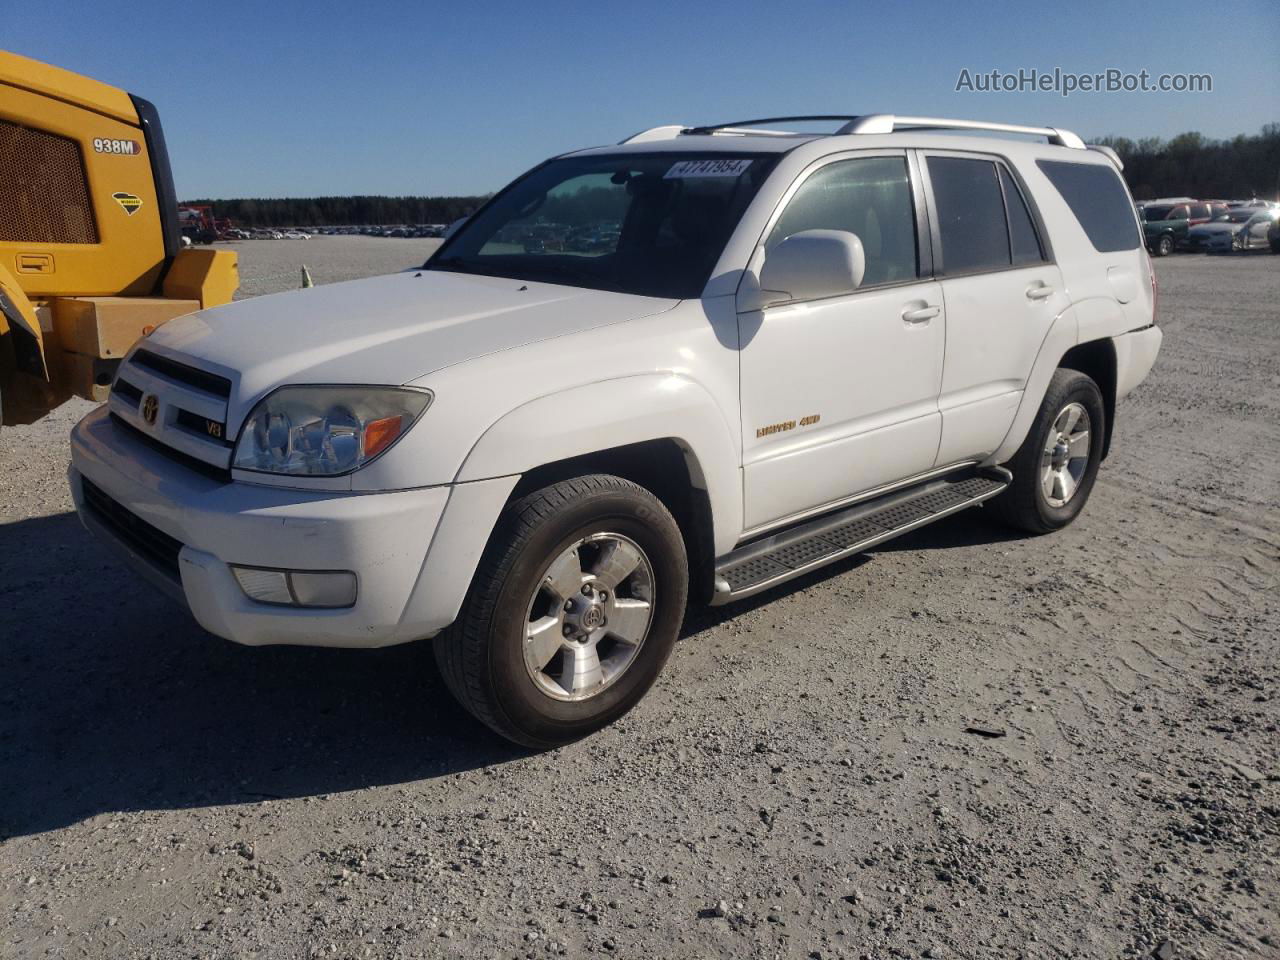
column 128, row 202
column 123, row 148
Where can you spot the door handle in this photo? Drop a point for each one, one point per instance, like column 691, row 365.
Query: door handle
column 1039, row 291
column 920, row 314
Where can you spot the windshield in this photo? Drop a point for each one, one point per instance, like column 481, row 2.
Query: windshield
column 648, row 224
column 1235, row 216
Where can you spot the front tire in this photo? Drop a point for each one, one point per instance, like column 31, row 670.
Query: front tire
column 1164, row 246
column 574, row 609
column 1055, row 468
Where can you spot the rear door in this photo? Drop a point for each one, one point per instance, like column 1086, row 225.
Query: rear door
column 1001, row 290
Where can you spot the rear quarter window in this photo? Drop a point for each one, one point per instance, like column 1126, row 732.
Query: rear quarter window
column 1099, row 201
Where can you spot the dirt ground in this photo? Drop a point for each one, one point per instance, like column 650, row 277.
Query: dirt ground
column 799, row 784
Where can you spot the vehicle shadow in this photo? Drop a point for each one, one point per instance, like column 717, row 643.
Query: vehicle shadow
column 113, row 699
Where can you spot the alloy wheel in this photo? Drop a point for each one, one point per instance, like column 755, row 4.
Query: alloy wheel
column 1066, row 455
column 589, row 616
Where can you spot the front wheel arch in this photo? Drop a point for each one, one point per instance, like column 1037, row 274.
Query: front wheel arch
column 667, row 468
column 483, row 657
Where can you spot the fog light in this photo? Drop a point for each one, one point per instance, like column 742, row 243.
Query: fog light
column 331, row 589
column 297, row 588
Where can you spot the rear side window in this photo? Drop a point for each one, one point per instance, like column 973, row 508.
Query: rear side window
column 970, row 213
column 1199, row 211
column 1024, row 242
column 1099, row 201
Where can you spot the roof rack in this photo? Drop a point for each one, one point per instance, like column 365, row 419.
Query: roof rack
column 739, row 126
column 873, row 123
column 889, row 123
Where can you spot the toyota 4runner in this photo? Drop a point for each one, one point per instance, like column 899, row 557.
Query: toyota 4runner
column 689, row 366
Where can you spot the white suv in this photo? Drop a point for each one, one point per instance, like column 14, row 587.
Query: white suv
column 695, row 364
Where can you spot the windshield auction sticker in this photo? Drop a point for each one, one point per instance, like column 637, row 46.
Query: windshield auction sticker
column 688, row 169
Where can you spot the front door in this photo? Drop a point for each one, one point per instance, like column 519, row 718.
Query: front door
column 840, row 395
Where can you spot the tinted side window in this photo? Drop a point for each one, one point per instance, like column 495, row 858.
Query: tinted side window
column 1024, row 242
column 1099, row 201
column 970, row 214
column 1199, row 211
column 870, row 197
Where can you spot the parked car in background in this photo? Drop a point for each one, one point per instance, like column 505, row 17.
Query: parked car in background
column 1242, row 228
column 1165, row 226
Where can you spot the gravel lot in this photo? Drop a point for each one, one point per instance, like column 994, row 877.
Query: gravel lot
column 800, row 782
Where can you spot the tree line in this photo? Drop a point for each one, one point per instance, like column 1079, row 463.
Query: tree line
column 1193, row 165
column 340, row 211
column 1189, row 164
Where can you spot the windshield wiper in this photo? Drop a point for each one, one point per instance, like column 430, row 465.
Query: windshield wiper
column 462, row 265
column 562, row 271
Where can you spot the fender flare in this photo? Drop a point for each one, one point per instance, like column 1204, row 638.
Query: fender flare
column 1085, row 321
column 606, row 414
column 1062, row 335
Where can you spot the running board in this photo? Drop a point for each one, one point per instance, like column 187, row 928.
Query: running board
column 774, row 559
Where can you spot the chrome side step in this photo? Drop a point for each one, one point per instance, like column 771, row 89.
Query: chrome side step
column 774, row 559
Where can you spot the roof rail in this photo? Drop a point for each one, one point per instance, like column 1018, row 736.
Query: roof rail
column 870, row 123
column 738, row 125
column 889, row 123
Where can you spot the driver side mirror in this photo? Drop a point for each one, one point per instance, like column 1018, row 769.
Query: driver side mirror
column 812, row 264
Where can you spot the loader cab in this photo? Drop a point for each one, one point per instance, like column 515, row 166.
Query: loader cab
column 91, row 256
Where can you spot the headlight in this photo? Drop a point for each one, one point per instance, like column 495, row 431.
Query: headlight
column 325, row 431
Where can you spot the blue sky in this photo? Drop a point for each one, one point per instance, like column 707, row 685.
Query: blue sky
column 285, row 99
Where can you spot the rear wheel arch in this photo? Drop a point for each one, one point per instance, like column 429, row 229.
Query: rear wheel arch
column 1097, row 360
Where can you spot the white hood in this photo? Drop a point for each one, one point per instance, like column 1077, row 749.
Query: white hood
column 385, row 330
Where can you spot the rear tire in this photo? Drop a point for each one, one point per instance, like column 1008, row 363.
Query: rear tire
column 554, row 641
column 1164, row 246
column 1055, row 468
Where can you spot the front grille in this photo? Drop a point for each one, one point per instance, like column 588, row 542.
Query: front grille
column 126, row 389
column 209, row 383
column 221, row 474
column 155, row 546
column 44, row 195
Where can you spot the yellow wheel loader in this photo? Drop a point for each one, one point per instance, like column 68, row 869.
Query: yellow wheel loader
column 90, row 254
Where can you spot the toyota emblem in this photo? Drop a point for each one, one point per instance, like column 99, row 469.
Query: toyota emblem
column 150, row 406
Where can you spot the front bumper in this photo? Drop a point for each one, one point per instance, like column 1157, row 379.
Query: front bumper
column 148, row 505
